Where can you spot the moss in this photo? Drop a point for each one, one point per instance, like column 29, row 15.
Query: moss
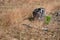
column 47, row 19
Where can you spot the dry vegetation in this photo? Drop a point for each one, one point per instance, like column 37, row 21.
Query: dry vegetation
column 14, row 24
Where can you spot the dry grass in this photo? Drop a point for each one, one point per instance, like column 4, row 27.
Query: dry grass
column 13, row 14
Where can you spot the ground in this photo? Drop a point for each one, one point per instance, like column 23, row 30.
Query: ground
column 14, row 24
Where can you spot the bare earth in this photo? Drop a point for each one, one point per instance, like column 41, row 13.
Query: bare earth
column 15, row 26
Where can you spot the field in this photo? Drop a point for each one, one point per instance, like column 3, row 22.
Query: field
column 15, row 25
